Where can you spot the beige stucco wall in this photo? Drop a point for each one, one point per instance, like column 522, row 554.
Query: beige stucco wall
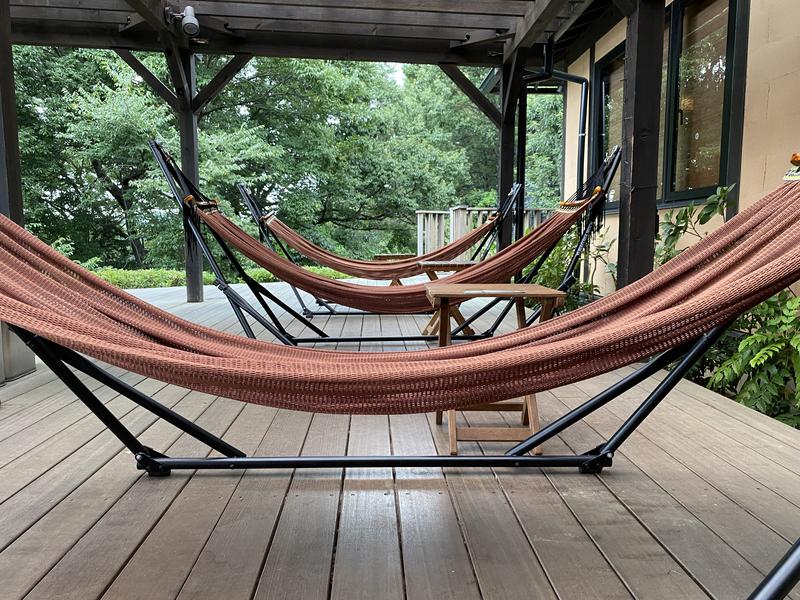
column 772, row 107
column 772, row 99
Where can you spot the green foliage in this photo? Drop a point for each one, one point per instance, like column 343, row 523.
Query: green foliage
column 158, row 278
column 764, row 371
column 552, row 272
column 342, row 150
column 678, row 226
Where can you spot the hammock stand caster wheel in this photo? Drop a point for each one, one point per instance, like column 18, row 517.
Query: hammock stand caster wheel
column 146, row 462
column 596, row 464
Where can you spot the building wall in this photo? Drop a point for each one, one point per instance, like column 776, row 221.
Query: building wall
column 772, row 99
column 772, row 110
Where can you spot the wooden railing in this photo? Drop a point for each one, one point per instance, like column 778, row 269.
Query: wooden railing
column 436, row 228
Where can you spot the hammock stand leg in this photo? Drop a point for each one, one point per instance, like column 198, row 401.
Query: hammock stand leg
column 782, row 578
column 59, row 358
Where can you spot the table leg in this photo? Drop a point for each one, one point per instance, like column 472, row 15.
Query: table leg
column 519, row 304
column 452, row 429
column 444, row 322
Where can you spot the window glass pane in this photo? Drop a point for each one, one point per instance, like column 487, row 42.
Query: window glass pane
column 613, row 81
column 701, row 94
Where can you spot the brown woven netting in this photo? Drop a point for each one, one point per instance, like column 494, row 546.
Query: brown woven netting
column 394, row 299
column 395, row 269
column 753, row 256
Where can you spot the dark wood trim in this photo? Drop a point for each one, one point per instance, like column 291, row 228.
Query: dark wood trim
column 190, row 165
column 530, row 28
column 155, row 84
column 640, row 124
column 479, row 99
column 220, row 80
column 10, row 169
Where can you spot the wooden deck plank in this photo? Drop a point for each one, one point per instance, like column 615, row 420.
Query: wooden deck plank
column 108, row 545
column 437, row 564
column 230, row 564
column 298, row 564
column 368, row 562
column 32, row 554
column 721, row 567
column 173, row 545
column 505, row 564
column 574, row 564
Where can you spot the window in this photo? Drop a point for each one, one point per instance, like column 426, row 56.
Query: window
column 695, row 98
column 612, row 78
column 700, row 95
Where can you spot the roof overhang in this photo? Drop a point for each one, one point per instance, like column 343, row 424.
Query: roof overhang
column 464, row 32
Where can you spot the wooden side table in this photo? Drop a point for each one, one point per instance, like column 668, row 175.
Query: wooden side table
column 431, row 267
column 441, row 295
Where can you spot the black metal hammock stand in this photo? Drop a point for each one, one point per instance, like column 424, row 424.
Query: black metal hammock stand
column 182, row 187
column 274, row 243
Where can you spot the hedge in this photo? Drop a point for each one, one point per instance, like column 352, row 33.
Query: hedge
column 158, row 278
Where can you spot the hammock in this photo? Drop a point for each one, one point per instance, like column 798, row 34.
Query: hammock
column 753, row 256
column 379, row 270
column 391, row 299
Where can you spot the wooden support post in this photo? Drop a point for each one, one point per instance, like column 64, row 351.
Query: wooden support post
column 17, row 359
column 509, row 94
column 190, row 164
column 640, row 125
column 522, row 140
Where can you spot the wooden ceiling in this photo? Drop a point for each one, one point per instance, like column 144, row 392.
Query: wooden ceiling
column 479, row 32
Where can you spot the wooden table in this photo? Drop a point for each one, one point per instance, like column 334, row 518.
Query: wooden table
column 441, row 296
column 431, row 267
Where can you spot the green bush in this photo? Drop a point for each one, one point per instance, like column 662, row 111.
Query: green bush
column 763, row 371
column 158, row 278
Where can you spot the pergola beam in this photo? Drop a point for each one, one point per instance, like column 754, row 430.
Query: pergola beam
column 536, row 22
column 219, row 81
column 484, row 7
column 149, row 78
column 152, row 11
column 641, row 106
column 484, row 104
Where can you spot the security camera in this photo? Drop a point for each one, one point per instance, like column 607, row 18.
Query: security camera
column 189, row 23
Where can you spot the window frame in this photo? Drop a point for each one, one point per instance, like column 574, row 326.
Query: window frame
column 674, row 17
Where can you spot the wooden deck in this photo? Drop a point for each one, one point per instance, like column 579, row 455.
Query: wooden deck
column 701, row 502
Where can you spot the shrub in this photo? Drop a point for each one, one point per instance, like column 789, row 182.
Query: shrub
column 158, row 278
column 764, row 370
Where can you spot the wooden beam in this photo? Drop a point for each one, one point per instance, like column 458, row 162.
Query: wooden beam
column 348, row 14
column 536, row 22
column 482, row 38
column 512, row 8
column 152, row 11
column 510, row 86
column 180, row 79
column 286, row 45
column 149, row 78
column 641, row 107
column 576, row 9
column 190, row 165
column 220, row 80
column 16, row 359
column 483, row 103
column 626, row 7
column 10, row 170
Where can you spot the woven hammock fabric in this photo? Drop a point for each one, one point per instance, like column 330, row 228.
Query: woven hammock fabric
column 379, row 270
column 753, row 256
column 395, row 299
